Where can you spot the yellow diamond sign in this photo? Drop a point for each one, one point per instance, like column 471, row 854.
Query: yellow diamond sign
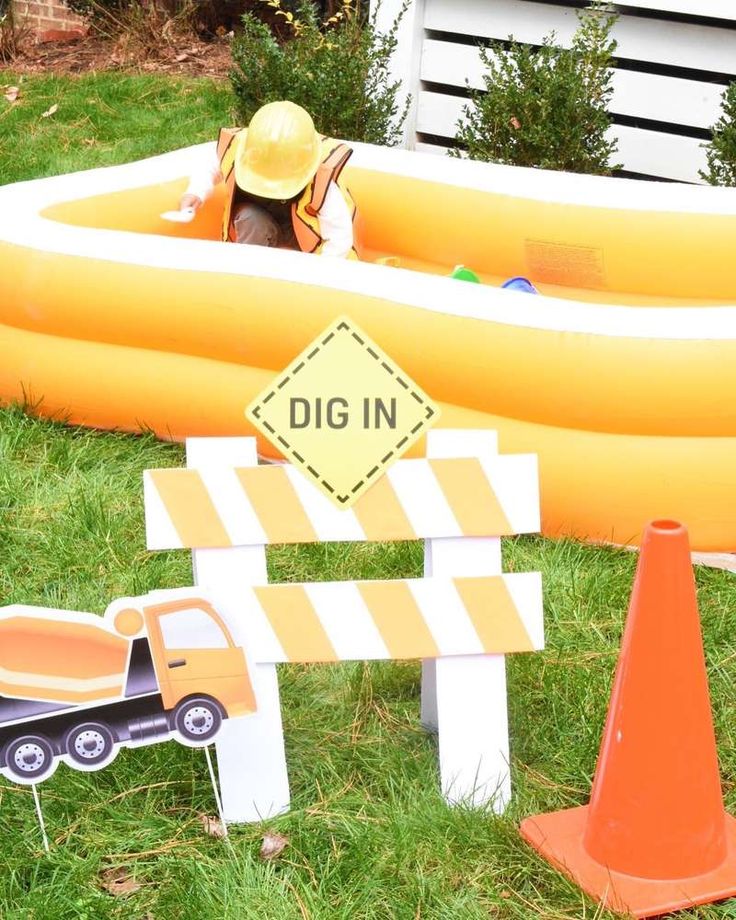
column 342, row 412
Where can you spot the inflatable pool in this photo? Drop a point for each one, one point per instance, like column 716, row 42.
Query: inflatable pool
column 620, row 374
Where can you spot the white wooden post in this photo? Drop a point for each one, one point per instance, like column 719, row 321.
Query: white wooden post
column 464, row 698
column 250, row 752
column 406, row 61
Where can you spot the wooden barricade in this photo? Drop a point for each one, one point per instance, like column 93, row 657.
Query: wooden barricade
column 461, row 619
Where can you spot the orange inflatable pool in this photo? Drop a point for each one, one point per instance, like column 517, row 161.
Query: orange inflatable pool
column 619, row 374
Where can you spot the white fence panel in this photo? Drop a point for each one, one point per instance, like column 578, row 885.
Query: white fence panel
column 635, row 94
column 714, row 9
column 657, row 41
column 651, row 153
column 673, row 62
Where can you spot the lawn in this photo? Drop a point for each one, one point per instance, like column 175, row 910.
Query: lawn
column 103, row 119
column 369, row 835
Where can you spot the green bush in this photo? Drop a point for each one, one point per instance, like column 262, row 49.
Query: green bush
column 338, row 70
column 144, row 26
column 546, row 106
column 148, row 25
column 721, row 152
column 10, row 33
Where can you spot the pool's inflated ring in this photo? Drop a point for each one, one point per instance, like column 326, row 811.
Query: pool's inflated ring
column 620, row 374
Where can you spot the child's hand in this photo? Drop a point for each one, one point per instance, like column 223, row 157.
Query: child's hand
column 189, row 201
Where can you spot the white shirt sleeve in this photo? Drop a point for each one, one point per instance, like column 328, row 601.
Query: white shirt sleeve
column 206, row 175
column 335, row 224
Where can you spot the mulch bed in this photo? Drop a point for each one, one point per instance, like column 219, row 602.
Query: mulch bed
column 189, row 56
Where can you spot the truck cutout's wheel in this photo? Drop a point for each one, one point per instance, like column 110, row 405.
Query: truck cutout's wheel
column 90, row 744
column 197, row 720
column 30, row 758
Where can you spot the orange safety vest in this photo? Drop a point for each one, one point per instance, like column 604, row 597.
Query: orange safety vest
column 304, row 211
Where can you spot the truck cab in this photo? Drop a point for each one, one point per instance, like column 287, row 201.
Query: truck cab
column 193, row 652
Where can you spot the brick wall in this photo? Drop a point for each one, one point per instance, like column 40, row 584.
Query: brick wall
column 49, row 19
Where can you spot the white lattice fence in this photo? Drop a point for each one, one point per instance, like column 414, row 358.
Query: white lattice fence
column 674, row 59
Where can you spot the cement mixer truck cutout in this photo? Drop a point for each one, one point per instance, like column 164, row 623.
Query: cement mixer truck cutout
column 75, row 687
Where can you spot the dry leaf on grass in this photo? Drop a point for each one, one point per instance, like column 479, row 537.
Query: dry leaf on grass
column 119, row 882
column 213, row 827
column 54, row 108
column 11, row 93
column 273, row 845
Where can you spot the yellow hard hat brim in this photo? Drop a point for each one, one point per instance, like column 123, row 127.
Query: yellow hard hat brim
column 256, row 184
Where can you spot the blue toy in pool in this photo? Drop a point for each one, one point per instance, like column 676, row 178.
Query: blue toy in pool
column 520, row 283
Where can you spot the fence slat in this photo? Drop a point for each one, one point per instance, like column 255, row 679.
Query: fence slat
column 717, row 9
column 637, row 95
column 657, row 41
column 656, row 154
column 651, row 153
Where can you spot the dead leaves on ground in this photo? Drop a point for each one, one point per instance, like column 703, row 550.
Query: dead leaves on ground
column 118, row 882
column 11, row 94
column 213, row 827
column 272, row 846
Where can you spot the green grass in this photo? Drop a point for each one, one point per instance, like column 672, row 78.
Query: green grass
column 103, row 119
column 369, row 834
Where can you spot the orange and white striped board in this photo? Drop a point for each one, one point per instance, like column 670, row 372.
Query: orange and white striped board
column 408, row 618
column 222, row 506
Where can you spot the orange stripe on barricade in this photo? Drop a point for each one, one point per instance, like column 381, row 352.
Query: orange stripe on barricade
column 494, row 615
column 276, row 504
column 398, row 619
column 190, row 508
column 295, row 622
column 387, row 511
column 469, row 494
column 380, row 514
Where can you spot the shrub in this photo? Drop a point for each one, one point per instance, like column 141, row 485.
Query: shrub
column 11, row 33
column 546, row 106
column 721, row 152
column 141, row 26
column 338, row 70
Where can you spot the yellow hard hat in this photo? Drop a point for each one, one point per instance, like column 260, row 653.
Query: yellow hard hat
column 279, row 153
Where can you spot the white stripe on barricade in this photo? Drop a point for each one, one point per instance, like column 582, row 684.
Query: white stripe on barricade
column 329, row 521
column 347, row 620
column 424, row 502
column 235, row 511
column 446, row 616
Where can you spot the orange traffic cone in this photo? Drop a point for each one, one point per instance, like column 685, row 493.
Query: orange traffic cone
column 655, row 837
